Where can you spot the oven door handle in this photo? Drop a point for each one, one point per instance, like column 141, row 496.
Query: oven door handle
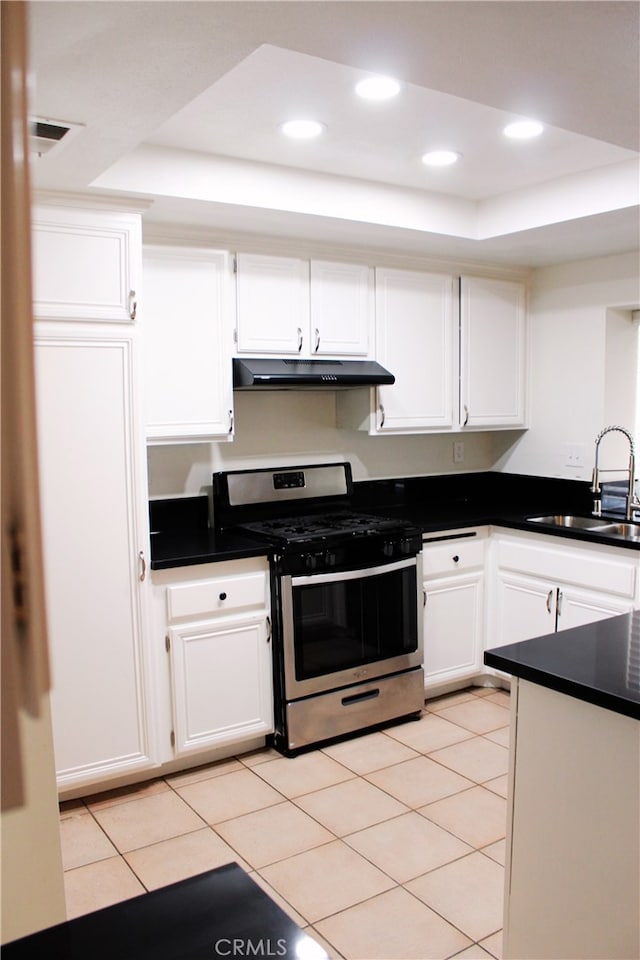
column 361, row 574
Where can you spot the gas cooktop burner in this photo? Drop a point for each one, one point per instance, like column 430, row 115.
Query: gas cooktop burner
column 321, row 526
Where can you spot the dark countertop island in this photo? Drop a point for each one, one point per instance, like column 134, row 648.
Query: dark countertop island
column 598, row 662
column 572, row 885
column 221, row 913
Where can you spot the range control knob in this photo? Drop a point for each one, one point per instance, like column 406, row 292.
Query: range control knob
column 388, row 548
column 329, row 558
column 311, row 561
column 406, row 546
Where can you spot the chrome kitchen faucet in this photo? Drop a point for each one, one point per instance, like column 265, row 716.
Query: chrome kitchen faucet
column 633, row 504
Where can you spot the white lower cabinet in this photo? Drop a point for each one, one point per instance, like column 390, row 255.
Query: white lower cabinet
column 576, row 607
column 454, row 607
column 543, row 587
column 220, row 681
column 95, row 534
column 218, row 645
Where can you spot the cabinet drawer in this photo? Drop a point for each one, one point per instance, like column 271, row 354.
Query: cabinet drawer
column 451, row 556
column 218, row 595
column 607, row 574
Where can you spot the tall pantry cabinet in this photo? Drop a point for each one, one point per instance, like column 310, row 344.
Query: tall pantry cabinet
column 93, row 488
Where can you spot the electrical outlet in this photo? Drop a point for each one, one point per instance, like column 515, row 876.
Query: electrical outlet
column 458, row 451
column 574, row 454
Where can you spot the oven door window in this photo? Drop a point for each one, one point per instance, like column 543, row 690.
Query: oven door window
column 344, row 623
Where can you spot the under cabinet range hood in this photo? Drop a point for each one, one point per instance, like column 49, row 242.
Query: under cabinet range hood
column 294, row 374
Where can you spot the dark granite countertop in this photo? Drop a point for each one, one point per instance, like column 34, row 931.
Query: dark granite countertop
column 189, row 547
column 196, row 919
column 598, row 662
column 181, row 534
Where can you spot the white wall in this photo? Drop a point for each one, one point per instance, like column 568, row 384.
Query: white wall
column 294, row 427
column 583, row 365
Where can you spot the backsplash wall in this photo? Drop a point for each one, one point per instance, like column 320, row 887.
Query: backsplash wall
column 293, row 427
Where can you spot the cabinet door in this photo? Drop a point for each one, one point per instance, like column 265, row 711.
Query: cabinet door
column 577, row 607
column 341, row 308
column 273, row 304
column 94, row 508
column 86, row 264
column 221, row 682
column 187, row 322
column 415, row 340
column 492, row 353
column 526, row 608
column 452, row 627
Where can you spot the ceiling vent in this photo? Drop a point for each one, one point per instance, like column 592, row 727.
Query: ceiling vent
column 46, row 135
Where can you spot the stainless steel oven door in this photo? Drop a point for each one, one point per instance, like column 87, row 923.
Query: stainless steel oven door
column 345, row 627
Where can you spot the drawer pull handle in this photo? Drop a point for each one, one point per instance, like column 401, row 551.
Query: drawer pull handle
column 359, row 697
column 223, row 595
column 456, row 558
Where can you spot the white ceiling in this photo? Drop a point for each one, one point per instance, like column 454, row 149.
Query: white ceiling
column 180, row 103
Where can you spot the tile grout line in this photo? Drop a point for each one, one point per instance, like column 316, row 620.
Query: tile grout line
column 353, row 776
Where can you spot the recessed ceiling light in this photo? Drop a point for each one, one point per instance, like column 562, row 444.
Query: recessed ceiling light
column 523, row 129
column 441, row 158
column 378, row 88
column 302, row 129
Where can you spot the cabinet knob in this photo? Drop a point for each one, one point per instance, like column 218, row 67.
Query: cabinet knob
column 223, row 595
column 456, row 558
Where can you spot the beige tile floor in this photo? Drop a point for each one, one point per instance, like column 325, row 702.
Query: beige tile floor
column 389, row 846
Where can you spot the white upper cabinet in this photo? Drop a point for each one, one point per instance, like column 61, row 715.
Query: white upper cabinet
column 492, row 353
column 86, row 264
column 186, row 317
column 341, row 309
column 458, row 364
column 416, row 332
column 273, row 304
column 292, row 307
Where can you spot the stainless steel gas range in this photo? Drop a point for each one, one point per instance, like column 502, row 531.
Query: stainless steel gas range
column 346, row 600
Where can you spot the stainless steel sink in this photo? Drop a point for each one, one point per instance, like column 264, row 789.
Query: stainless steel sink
column 568, row 520
column 597, row 525
column 630, row 531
